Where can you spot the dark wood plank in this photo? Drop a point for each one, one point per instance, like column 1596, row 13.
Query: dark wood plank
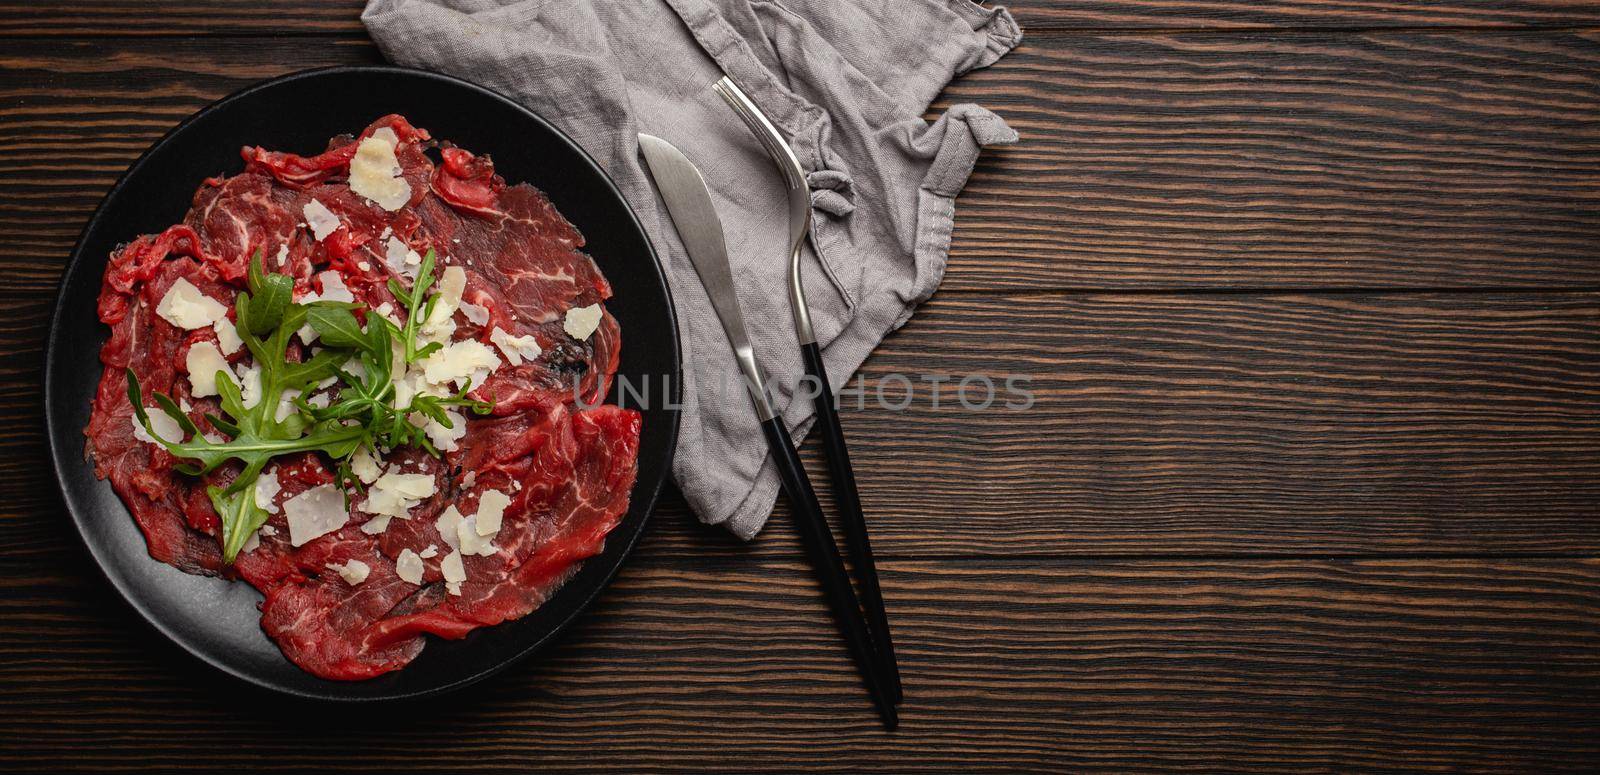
column 1172, row 425
column 251, row 17
column 1300, row 14
column 1036, row 666
column 1148, row 162
column 1284, row 161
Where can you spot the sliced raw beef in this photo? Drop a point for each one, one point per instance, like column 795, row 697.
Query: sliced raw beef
column 553, row 468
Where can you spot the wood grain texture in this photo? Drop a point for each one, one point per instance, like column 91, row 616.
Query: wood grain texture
column 1288, row 161
column 304, row 17
column 1396, row 160
column 1035, row 666
column 1193, row 425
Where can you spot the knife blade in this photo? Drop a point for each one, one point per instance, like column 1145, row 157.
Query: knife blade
column 688, row 201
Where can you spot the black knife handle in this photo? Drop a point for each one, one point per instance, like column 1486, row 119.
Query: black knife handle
column 827, row 563
column 848, row 499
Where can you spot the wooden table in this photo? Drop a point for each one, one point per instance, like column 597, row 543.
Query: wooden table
column 1308, row 294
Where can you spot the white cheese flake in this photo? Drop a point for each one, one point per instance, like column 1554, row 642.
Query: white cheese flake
column 408, row 566
column 469, row 541
column 164, row 426
column 286, row 406
column 491, row 509
column 283, row 254
column 582, row 321
column 376, row 525
column 375, row 172
column 249, row 379
column 268, row 530
column 352, row 571
column 474, row 313
column 396, row 494
column 314, row 513
column 203, row 362
column 431, row 551
column 459, row 362
column 516, row 348
column 452, row 281
column 449, row 524
column 187, row 307
column 267, row 489
column 364, row 465
column 227, row 336
column 400, row 258
column 333, row 287
column 446, row 439
column 251, row 544
column 321, row 220
column 454, row 572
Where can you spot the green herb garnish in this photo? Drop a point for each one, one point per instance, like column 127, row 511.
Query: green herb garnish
column 362, row 417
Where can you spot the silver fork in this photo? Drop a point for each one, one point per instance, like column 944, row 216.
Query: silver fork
column 839, row 470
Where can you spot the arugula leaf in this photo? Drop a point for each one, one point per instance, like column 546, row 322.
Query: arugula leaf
column 270, row 298
column 363, row 416
column 335, row 325
column 418, row 307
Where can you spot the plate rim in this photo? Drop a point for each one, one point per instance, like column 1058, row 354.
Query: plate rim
column 52, row 421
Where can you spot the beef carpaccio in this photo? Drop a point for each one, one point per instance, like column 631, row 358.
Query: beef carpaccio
column 352, row 597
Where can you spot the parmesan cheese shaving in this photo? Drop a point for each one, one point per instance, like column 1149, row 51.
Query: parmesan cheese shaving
column 249, row 385
column 446, row 439
column 454, row 572
column 449, row 524
column 408, row 566
column 400, row 258
column 459, row 362
column 203, row 362
column 516, row 348
column 187, row 307
column 474, row 313
column 468, row 540
column 267, row 489
column 227, row 336
column 375, row 171
column 352, row 571
column 321, row 220
column 491, row 509
column 396, row 494
column 315, row 513
column 452, row 281
column 582, row 321
column 365, row 466
column 164, row 426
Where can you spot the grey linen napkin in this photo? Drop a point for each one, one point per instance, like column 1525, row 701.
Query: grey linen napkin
column 846, row 81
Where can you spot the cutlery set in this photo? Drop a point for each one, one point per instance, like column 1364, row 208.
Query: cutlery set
column 862, row 620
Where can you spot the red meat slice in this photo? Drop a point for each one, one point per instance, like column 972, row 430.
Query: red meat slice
column 568, row 468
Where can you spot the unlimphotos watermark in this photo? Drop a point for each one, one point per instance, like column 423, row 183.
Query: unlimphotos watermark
column 894, row 392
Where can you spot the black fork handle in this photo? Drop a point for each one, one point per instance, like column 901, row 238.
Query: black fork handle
column 848, row 499
column 827, row 563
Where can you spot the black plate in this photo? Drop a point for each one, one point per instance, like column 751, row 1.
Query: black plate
column 215, row 620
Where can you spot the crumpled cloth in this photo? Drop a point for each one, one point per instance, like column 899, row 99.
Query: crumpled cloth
column 846, row 81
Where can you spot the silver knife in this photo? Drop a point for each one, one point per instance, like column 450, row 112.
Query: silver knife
column 689, row 202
